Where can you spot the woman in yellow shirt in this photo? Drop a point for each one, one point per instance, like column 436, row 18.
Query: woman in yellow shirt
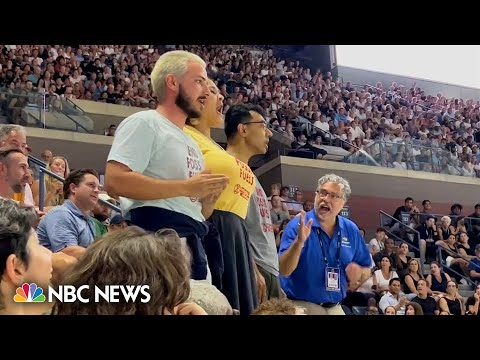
column 238, row 279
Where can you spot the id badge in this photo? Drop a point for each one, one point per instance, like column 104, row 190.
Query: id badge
column 332, row 280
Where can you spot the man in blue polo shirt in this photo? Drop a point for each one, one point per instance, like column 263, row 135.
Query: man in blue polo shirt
column 69, row 228
column 320, row 252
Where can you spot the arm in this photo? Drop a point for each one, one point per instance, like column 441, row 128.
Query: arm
column 410, row 284
column 442, row 303
column 473, row 309
column 130, row 156
column 36, row 192
column 62, row 232
column 440, row 233
column 74, row 251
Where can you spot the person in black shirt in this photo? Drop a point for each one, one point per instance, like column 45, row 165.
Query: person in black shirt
column 427, row 302
column 428, row 236
column 473, row 307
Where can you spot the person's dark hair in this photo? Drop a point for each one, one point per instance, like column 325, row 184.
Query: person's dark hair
column 455, row 206
column 5, row 152
column 425, row 201
column 408, row 199
column 381, row 229
column 392, row 280
column 16, row 224
column 239, row 114
column 76, row 177
column 131, row 257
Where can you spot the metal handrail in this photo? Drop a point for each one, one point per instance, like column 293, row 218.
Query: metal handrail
column 444, row 265
column 408, row 228
column 43, row 170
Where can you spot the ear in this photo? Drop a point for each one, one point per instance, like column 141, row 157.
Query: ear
column 72, row 188
column 242, row 130
column 14, row 270
column 171, row 82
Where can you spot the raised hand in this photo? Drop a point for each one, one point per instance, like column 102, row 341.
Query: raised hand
column 304, row 230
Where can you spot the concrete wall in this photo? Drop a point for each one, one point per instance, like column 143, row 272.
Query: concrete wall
column 362, row 77
column 375, row 188
column 81, row 150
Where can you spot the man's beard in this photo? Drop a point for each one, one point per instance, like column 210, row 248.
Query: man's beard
column 184, row 102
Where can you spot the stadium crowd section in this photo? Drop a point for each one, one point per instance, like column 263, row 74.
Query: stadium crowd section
column 396, row 125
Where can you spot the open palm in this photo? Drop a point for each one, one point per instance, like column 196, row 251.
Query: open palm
column 304, row 230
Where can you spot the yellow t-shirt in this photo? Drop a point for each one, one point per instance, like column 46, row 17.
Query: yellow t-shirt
column 236, row 196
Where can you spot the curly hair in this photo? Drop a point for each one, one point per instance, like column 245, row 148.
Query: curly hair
column 130, row 257
column 276, row 306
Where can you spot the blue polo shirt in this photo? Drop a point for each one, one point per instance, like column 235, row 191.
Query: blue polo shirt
column 65, row 225
column 307, row 281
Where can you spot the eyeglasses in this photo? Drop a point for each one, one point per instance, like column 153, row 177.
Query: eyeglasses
column 265, row 124
column 324, row 193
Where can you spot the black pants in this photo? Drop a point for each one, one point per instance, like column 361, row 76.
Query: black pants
column 238, row 280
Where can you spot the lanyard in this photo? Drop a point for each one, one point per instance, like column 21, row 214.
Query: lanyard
column 339, row 245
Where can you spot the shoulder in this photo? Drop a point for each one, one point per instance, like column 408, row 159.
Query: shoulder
column 143, row 118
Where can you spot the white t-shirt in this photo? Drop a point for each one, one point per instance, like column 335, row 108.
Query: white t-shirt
column 151, row 145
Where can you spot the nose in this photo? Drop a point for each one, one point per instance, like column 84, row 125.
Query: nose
column 206, row 90
column 269, row 133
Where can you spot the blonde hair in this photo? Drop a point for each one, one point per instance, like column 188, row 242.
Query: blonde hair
column 174, row 63
column 51, row 196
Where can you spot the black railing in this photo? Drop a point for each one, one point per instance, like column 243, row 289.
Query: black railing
column 387, row 222
column 43, row 170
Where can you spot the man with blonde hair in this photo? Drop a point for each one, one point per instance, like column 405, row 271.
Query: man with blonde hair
column 158, row 170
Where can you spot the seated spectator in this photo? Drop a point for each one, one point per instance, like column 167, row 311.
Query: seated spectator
column 101, row 215
column 277, row 214
column 428, row 235
column 69, row 228
column 463, row 243
column 390, row 310
column 22, row 259
column 438, row 280
column 281, row 228
column 14, row 174
column 118, row 222
column 427, row 302
column 307, row 205
column 361, row 294
column 451, row 301
column 473, row 302
column 411, row 278
column 133, row 257
column 453, row 256
column 383, row 276
column 387, row 251
column 445, row 228
column 394, row 297
column 377, row 244
column 276, row 306
column 474, row 266
column 53, row 189
column 401, row 260
column 295, row 207
column 413, row 309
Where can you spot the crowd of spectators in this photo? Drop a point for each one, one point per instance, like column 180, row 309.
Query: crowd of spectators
column 398, row 125
column 414, row 131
